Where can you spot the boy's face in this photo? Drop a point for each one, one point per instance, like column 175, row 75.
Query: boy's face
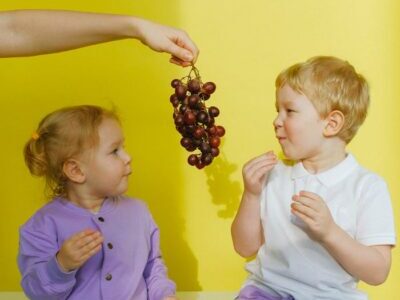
column 298, row 126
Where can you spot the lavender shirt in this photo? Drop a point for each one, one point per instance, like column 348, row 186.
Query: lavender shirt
column 129, row 266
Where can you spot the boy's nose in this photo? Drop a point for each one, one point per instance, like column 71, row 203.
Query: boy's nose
column 277, row 122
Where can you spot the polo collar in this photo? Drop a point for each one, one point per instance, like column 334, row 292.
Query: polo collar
column 331, row 176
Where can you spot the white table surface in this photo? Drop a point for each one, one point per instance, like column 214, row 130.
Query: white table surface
column 181, row 296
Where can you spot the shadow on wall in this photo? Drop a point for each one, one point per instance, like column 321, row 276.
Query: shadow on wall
column 224, row 191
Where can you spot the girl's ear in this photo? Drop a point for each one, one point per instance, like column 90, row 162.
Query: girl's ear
column 334, row 123
column 72, row 169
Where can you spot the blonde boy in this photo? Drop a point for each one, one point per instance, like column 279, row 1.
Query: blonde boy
column 324, row 223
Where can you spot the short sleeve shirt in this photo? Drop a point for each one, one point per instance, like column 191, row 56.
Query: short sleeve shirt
column 290, row 263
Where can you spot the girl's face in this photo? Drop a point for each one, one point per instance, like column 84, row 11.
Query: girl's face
column 298, row 126
column 107, row 167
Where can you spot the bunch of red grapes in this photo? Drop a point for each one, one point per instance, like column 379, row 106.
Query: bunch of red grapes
column 194, row 120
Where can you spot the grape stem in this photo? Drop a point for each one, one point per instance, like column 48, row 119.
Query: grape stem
column 192, row 70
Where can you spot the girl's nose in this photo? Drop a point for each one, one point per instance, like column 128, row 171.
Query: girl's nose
column 127, row 157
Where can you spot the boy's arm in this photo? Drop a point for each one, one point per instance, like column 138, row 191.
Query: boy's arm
column 247, row 232
column 159, row 286
column 33, row 32
column 370, row 264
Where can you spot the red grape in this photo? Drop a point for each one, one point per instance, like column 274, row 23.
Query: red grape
column 214, row 152
column 189, row 117
column 180, row 92
column 220, row 131
column 213, row 111
column 193, row 159
column 194, row 86
column 214, row 141
column 175, row 83
column 209, row 87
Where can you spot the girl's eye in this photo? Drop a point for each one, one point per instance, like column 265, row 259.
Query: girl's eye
column 115, row 151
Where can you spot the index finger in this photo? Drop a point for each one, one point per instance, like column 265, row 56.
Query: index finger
column 82, row 234
column 191, row 46
column 184, row 41
column 310, row 195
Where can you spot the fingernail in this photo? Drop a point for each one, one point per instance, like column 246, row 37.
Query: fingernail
column 188, row 56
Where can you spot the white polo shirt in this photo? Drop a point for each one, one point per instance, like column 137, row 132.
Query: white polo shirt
column 290, row 263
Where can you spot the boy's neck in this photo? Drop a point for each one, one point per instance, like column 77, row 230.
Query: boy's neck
column 331, row 155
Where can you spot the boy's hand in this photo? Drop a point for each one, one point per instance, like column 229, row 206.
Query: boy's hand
column 255, row 172
column 76, row 250
column 313, row 211
column 170, row 298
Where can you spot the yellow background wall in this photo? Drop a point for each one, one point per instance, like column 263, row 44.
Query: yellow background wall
column 244, row 44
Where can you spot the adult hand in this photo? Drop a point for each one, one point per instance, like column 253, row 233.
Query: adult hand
column 163, row 38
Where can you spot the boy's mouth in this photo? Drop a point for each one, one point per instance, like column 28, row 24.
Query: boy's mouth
column 280, row 138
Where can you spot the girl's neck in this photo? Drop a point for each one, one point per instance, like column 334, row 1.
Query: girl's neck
column 88, row 202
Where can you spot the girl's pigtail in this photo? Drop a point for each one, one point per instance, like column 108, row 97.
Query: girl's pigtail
column 35, row 156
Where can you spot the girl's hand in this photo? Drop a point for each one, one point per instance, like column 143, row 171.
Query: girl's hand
column 163, row 38
column 76, row 250
column 256, row 171
column 313, row 211
column 170, row 298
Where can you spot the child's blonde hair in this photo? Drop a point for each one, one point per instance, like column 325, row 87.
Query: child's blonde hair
column 331, row 84
column 61, row 135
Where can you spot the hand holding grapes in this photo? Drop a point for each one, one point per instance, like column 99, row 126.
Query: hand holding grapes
column 76, row 250
column 256, row 171
column 163, row 38
column 313, row 211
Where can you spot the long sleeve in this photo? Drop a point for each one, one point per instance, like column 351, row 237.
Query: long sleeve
column 155, row 273
column 42, row 278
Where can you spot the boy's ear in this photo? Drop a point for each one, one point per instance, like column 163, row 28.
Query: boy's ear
column 334, row 123
column 73, row 171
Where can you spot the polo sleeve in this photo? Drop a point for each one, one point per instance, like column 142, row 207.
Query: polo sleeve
column 375, row 222
column 158, row 284
column 42, row 278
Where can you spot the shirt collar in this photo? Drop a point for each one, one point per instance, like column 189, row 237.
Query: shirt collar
column 108, row 205
column 331, row 176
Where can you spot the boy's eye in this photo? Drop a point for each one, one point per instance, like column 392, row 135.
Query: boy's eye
column 115, row 151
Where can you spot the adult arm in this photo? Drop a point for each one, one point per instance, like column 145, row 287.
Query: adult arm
column 34, row 32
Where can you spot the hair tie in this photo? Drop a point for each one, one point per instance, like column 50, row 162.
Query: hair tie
column 35, row 136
